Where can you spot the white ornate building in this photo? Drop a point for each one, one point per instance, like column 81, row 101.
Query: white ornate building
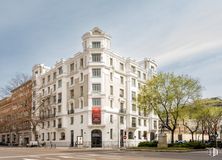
column 91, row 97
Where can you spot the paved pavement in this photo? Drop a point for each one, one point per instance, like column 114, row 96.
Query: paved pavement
column 70, row 154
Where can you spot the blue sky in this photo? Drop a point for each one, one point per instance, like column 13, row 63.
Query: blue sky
column 183, row 36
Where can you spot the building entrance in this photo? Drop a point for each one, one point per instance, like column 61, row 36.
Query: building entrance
column 72, row 138
column 96, row 138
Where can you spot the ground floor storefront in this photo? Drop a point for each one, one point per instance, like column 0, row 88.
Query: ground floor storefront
column 21, row 138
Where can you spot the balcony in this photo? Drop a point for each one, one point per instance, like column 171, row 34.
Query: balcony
column 71, row 111
column 59, row 100
column 122, row 110
column 133, row 124
column 59, row 125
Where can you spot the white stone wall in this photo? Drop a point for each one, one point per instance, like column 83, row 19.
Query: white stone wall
column 105, row 96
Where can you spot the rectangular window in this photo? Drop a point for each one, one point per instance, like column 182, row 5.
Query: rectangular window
column 111, row 133
column 133, row 96
column 81, row 104
column 144, row 122
column 72, row 93
column 133, row 122
column 133, row 69
column 139, row 85
column 122, row 110
column 144, row 76
column 145, row 134
column 49, row 78
column 71, row 120
column 48, row 90
column 96, row 57
column 133, row 82
column 121, row 66
column 111, row 103
column 59, row 83
column 72, row 107
column 82, row 132
column 96, row 101
column 121, row 120
column 155, row 124
column 59, row 108
column 111, row 90
column 111, row 76
column 43, row 136
column 43, row 92
column 133, row 107
column 59, row 123
column 72, row 67
column 139, row 122
column 81, row 76
column 96, row 44
column 96, row 72
column 139, row 74
column 121, row 93
column 43, row 81
column 54, row 136
column 96, row 87
column 121, row 80
column 139, row 134
column 54, row 87
column 81, row 63
column 48, row 135
column 71, row 80
column 81, row 120
column 60, row 70
column 54, row 99
column 54, row 123
column 54, row 75
column 111, row 118
column 81, row 91
column 111, row 62
column 59, row 97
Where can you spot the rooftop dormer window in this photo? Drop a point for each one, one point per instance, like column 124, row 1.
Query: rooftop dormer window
column 60, row 70
column 96, row 44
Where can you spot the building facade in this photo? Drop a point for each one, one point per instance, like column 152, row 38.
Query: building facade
column 15, row 116
column 89, row 99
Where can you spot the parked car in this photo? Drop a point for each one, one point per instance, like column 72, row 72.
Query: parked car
column 33, row 144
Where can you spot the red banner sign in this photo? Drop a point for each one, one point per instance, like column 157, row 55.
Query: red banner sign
column 96, row 115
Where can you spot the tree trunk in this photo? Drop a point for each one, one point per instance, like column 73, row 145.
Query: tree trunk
column 192, row 136
column 202, row 136
column 172, row 136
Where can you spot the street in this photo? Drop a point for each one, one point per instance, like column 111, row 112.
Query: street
column 7, row 153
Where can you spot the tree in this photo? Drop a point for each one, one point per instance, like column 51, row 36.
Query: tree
column 166, row 93
column 15, row 82
column 191, row 116
column 25, row 114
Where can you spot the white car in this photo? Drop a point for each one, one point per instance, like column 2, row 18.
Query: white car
column 33, row 144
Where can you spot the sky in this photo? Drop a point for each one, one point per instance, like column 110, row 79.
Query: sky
column 182, row 36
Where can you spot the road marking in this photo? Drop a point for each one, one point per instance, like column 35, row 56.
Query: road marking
column 37, row 155
column 29, row 159
column 52, row 158
column 65, row 157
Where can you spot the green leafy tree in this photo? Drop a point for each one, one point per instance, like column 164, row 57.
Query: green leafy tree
column 166, row 93
column 191, row 116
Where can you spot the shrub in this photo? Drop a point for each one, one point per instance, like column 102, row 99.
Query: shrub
column 148, row 144
column 194, row 145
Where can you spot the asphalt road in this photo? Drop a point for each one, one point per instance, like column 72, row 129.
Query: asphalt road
column 69, row 154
